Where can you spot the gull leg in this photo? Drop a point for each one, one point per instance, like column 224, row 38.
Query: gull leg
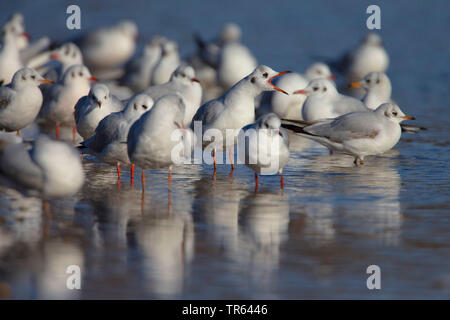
column 169, row 178
column 281, row 181
column 118, row 174
column 231, row 158
column 143, row 179
column 215, row 162
column 256, row 182
column 361, row 162
column 18, row 132
column 331, row 152
column 355, row 161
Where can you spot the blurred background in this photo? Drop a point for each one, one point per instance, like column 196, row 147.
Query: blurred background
column 219, row 239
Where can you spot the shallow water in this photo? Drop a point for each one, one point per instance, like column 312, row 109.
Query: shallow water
column 218, row 238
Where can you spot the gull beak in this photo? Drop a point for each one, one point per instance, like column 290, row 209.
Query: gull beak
column 301, row 91
column 99, row 104
column 332, row 77
column 54, row 56
column 26, row 35
column 195, row 80
column 275, row 76
column 406, row 117
column 356, row 85
column 46, row 81
column 93, row 79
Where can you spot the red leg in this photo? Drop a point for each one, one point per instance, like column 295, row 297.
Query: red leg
column 256, row 182
column 132, row 173
column 331, row 152
column 143, row 178
column 215, row 165
column 170, row 177
column 231, row 158
column 74, row 133
column 281, row 181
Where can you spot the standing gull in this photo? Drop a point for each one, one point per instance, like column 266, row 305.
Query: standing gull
column 378, row 89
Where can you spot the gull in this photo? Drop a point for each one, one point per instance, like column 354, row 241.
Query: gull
column 91, row 109
column 61, row 98
column 290, row 106
column 167, row 64
column 369, row 56
column 378, row 89
column 184, row 83
column 53, row 168
column 266, row 147
column 109, row 141
column 21, row 100
column 10, row 60
column 235, row 108
column 324, row 101
column 53, row 64
column 358, row 134
column 109, row 47
column 139, row 71
column 150, row 142
column 235, row 61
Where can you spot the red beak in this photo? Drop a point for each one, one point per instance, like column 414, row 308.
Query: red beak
column 93, row 79
column 275, row 76
column 301, row 91
column 332, row 77
column 54, row 56
column 26, row 35
column 195, row 80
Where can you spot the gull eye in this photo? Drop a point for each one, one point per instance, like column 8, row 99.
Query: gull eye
column 144, row 106
column 72, row 74
column 23, row 77
column 81, row 74
column 265, row 74
column 33, row 77
column 368, row 80
column 394, row 113
column 378, row 81
column 324, row 89
column 315, row 88
column 252, row 80
column 106, row 97
column 135, row 106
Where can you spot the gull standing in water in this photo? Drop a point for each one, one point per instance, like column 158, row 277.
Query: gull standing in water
column 21, row 100
column 235, row 108
column 109, row 141
column 61, row 98
column 91, row 109
column 266, row 147
column 358, row 134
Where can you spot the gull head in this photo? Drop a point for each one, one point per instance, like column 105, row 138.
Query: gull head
column 392, row 112
column 68, row 54
column 319, row 70
column 139, row 104
column 128, row 28
column 270, row 122
column 76, row 74
column 28, row 77
column 231, row 32
column 169, row 48
column 373, row 39
column 261, row 78
column 374, row 81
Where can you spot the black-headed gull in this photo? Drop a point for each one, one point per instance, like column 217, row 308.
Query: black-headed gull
column 53, row 168
column 91, row 109
column 60, row 99
column 109, row 47
column 169, row 61
column 109, row 143
column 21, row 100
column 10, row 60
column 235, row 108
column 266, row 147
column 358, row 134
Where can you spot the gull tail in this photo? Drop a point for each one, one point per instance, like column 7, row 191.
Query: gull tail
column 296, row 125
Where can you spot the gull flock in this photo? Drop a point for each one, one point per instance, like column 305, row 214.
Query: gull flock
column 125, row 107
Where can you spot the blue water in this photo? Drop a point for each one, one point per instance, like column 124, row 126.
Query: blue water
column 217, row 238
